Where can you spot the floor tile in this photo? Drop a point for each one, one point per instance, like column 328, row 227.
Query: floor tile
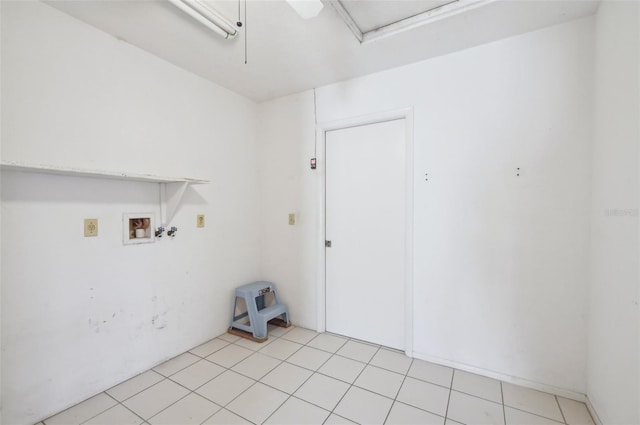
column 287, row 377
column 468, row 409
column 298, row 412
column 256, row 366
column 358, row 351
column 381, row 381
column 176, row 364
column 134, row 385
column 197, row 374
column 257, row 403
column 322, row 391
column 334, row 419
column 289, row 392
column 209, row 347
column 424, row 395
column 309, row 358
column 391, row 360
column 364, row 407
column 300, row 335
column 228, row 337
column 278, row 331
column 519, row 417
column 117, row 415
column 230, row 355
column 225, row 387
column 532, row 401
column 224, row 417
column 431, row 372
column 253, row 345
column 156, row 398
column 191, row 410
column 403, row 414
column 327, row 342
column 83, row 411
column 342, row 368
column 479, row 386
column 281, row 349
column 575, row 412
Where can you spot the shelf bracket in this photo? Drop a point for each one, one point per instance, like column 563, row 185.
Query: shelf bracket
column 170, row 196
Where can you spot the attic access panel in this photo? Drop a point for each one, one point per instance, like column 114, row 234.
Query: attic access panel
column 372, row 15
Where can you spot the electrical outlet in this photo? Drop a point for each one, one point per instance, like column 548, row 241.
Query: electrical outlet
column 90, row 227
column 292, row 219
column 200, row 220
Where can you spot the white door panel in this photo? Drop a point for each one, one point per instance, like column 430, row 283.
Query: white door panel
column 365, row 222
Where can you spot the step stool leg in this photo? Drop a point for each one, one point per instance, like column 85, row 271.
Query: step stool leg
column 258, row 325
column 285, row 316
column 233, row 309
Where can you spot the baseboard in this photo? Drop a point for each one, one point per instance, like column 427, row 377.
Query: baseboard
column 592, row 410
column 562, row 392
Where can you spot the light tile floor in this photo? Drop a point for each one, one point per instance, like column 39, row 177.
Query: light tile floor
column 302, row 377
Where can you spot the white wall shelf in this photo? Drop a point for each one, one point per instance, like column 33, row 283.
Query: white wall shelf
column 81, row 172
column 171, row 188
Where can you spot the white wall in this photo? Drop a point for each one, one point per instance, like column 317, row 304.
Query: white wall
column 500, row 262
column 288, row 186
column 82, row 314
column 613, row 371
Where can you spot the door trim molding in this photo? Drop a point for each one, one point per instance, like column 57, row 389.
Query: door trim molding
column 321, row 130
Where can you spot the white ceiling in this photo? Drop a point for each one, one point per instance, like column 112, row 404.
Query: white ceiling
column 287, row 54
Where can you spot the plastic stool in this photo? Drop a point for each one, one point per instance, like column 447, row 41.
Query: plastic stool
column 259, row 315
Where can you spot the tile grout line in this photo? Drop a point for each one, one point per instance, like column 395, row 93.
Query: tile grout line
column 534, row 414
column 289, row 396
column 292, row 395
column 270, row 386
column 395, row 398
column 135, row 394
column 446, row 412
column 143, row 420
column 227, row 369
column 504, row 409
column 258, row 381
column 555, row 397
column 212, row 415
column 351, row 385
column 175, row 402
column 125, row 407
column 97, row 414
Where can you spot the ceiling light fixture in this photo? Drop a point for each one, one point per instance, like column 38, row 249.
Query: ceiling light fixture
column 307, row 9
column 207, row 16
column 424, row 18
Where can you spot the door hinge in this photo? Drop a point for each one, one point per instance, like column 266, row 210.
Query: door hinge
column 327, row 244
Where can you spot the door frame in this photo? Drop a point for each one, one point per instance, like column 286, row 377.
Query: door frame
column 321, row 130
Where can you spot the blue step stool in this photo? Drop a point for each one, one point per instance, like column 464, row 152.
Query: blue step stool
column 259, row 314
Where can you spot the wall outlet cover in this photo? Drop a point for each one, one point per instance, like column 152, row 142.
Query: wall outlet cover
column 200, row 220
column 90, row 227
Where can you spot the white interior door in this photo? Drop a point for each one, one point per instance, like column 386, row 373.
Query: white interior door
column 365, row 222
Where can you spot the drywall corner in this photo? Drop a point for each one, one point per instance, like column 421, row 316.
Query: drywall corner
column 613, row 387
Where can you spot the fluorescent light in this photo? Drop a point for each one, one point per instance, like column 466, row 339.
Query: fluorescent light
column 307, row 9
column 207, row 16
